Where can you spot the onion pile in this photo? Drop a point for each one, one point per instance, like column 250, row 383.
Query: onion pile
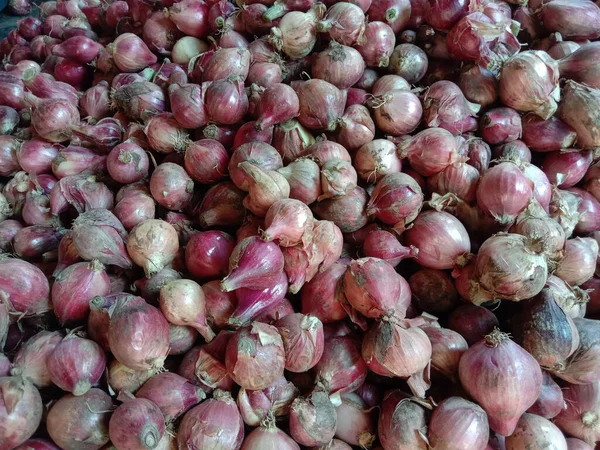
column 286, row 224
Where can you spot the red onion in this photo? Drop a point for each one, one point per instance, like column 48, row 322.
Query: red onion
column 173, row 394
column 347, row 212
column 580, row 417
column 398, row 112
column 160, row 33
column 35, row 156
column 588, row 209
column 127, row 163
column 204, row 367
column 529, row 82
column 458, row 422
column 253, row 264
column 341, row 368
column 519, row 269
column 74, row 160
column 226, row 101
column 579, row 262
column 355, row 127
column 171, row 186
column 215, row 422
column 31, row 361
column 384, row 245
column 429, row 239
column 190, row 17
column 479, row 85
column 9, row 147
column 304, row 178
column 550, row 345
column 377, row 47
column 333, row 65
column 75, row 286
column 402, row 419
column 269, row 438
column 313, row 419
column 24, row 288
column 515, row 189
column 137, row 423
column 354, row 423
column 577, row 444
column 255, row 356
column 138, row 334
column 219, row 305
column 373, row 287
column 564, row 208
column 29, row 27
column 395, row 13
column 248, row 133
column 460, row 179
column 21, row 410
column 259, row 154
column 321, row 104
column 227, row 62
column 578, row 65
column 12, row 93
column 323, row 150
column 531, row 428
column 571, row 299
column 122, row 378
column 476, row 38
column 278, row 103
column 507, row 397
column 222, row 206
column 134, row 207
column 9, row 119
column 181, row 339
column 291, row 140
column 107, row 133
column 400, row 349
column 63, row 113
column 44, row 87
column 323, row 296
column 90, row 411
column 98, row 234
column 182, row 302
column 206, row 161
column 288, row 221
column 445, row 106
column 34, row 241
column 131, row 54
column 396, row 200
column 152, row 245
column 76, row 364
column 303, row 341
column 139, row 100
column 566, row 169
column 37, row 444
column 550, row 402
column 576, row 110
column 8, row 229
column 338, row 178
column 344, row 22
column 376, row 159
column 78, row 48
column 513, row 151
column 535, row 224
column 500, row 125
column 430, row 151
column 187, row 105
column 433, row 290
column 207, row 254
column 576, row 20
column 165, row 135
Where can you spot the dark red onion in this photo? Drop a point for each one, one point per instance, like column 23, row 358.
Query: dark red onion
column 348, row 212
column 576, row 20
column 479, row 85
column 222, row 206
column 500, row 125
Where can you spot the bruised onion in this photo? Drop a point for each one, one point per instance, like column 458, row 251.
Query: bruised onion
column 516, row 374
column 402, row 419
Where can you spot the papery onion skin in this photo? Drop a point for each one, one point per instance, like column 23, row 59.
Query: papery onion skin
column 152, row 245
column 255, row 356
column 506, row 397
column 341, row 368
column 313, row 419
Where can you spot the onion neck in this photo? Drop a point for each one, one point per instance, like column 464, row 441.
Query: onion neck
column 496, row 337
